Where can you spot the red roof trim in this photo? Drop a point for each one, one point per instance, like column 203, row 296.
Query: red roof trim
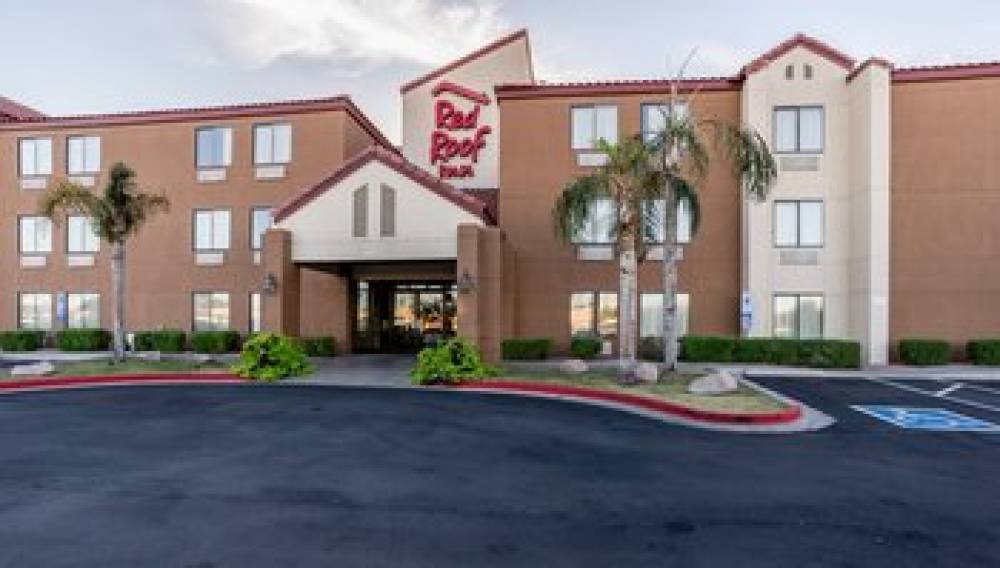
column 607, row 88
column 397, row 163
column 485, row 50
column 15, row 111
column 878, row 61
column 956, row 71
column 449, row 87
column 340, row 102
column 798, row 40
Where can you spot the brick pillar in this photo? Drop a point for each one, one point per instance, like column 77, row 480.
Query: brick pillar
column 281, row 307
column 481, row 310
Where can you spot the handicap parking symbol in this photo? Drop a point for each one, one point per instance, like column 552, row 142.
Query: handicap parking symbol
column 932, row 419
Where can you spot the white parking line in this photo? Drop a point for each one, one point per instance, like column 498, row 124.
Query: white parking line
column 948, row 390
column 981, row 388
column 931, row 394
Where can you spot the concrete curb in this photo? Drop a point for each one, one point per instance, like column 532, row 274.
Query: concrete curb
column 59, row 383
column 785, row 416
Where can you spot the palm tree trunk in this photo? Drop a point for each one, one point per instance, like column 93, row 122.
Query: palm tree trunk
column 670, row 351
column 628, row 308
column 118, row 291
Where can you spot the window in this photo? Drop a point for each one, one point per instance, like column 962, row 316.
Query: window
column 36, row 157
column 789, row 72
column 387, row 212
column 272, row 144
column 653, row 118
column 607, row 314
column 581, row 313
column 260, row 222
column 594, row 313
column 798, row 316
column 593, row 123
column 599, row 227
column 684, row 222
column 211, row 311
column 36, row 235
column 798, row 223
column 807, row 71
column 651, row 314
column 35, row 311
column 255, row 307
column 83, row 155
column 359, row 212
column 211, row 230
column 84, row 311
column 798, row 130
column 80, row 235
column 214, row 147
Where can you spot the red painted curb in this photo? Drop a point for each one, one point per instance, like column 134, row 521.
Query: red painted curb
column 42, row 383
column 785, row 416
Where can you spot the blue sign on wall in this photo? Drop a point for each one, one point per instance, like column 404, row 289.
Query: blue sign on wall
column 935, row 419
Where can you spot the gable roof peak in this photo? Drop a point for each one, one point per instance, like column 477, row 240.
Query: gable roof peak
column 798, row 40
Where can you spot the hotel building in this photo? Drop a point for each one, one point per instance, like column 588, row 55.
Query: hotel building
column 301, row 217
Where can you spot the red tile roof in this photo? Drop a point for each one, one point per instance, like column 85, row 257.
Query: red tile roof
column 395, row 161
column 621, row 87
column 946, row 72
column 11, row 111
column 340, row 102
column 798, row 40
column 485, row 50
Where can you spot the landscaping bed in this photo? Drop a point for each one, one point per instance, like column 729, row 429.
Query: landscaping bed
column 104, row 367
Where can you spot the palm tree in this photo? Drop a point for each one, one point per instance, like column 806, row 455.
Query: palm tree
column 683, row 160
column 630, row 180
column 116, row 216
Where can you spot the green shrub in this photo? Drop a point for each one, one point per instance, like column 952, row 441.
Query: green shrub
column 532, row 348
column 22, row 340
column 924, row 351
column 215, row 341
column 983, row 351
column 707, row 349
column 83, row 339
column 450, row 362
column 651, row 349
column 753, row 350
column 784, row 351
column 829, row 354
column 163, row 340
column 585, row 347
column 319, row 346
column 271, row 357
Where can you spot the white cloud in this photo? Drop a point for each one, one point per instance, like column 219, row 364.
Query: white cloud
column 358, row 33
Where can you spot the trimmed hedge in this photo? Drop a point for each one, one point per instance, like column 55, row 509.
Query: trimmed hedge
column 318, row 346
column 924, row 352
column 83, row 339
column 22, row 340
column 585, row 347
column 651, row 349
column 526, row 348
column 983, row 351
column 164, row 340
column 819, row 353
column 215, row 341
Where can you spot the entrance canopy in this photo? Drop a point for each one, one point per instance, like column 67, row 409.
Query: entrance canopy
column 378, row 207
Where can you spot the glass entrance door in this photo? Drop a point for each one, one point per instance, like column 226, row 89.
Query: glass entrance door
column 401, row 317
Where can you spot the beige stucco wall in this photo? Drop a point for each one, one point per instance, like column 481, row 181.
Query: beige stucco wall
column 510, row 63
column 426, row 223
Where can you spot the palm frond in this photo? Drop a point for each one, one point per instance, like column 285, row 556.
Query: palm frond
column 572, row 208
column 751, row 158
column 688, row 194
column 67, row 198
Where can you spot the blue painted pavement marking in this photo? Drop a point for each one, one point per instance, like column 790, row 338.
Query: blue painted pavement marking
column 937, row 419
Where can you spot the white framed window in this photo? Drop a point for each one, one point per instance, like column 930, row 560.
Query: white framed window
column 211, row 311
column 592, row 123
column 599, row 226
column 684, row 222
column 35, row 157
column 261, row 220
column 272, row 144
column 651, row 314
column 83, row 155
column 798, row 316
column 84, row 311
column 255, row 312
column 594, row 313
column 799, row 224
column 653, row 117
column 798, row 129
column 35, row 235
column 211, row 230
column 34, row 311
column 214, row 147
column 80, row 235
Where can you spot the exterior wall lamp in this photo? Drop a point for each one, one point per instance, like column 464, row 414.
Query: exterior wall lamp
column 466, row 283
column 270, row 283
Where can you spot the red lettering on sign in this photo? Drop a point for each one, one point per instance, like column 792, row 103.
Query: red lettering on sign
column 446, row 143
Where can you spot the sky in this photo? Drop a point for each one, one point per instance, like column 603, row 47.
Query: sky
column 72, row 57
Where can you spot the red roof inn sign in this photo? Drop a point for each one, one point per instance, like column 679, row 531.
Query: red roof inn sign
column 458, row 137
